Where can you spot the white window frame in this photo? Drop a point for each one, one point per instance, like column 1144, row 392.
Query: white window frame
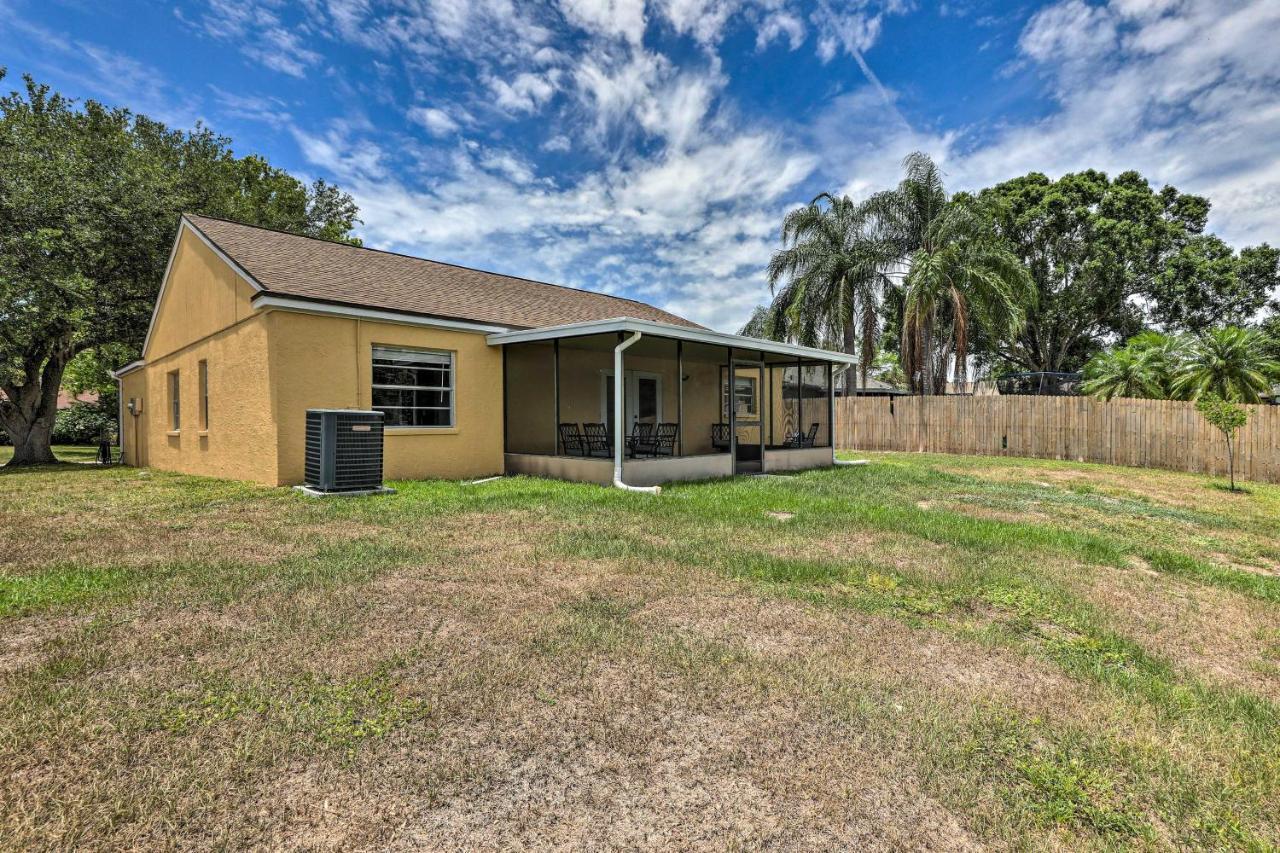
column 728, row 378
column 426, row 356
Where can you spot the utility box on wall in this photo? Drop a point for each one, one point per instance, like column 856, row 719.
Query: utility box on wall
column 344, row 450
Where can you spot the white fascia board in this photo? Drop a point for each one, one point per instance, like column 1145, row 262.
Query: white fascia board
column 666, row 330
column 308, row 306
column 128, row 368
column 186, row 227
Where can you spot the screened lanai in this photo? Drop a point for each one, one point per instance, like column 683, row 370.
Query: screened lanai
column 695, row 404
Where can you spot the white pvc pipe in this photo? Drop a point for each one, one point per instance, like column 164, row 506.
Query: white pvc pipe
column 619, row 428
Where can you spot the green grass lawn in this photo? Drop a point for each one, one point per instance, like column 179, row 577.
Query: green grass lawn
column 927, row 651
column 64, row 452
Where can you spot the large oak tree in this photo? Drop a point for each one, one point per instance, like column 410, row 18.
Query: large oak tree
column 89, row 203
column 1110, row 256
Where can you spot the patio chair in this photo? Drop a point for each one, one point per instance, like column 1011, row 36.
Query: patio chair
column 720, row 438
column 801, row 439
column 664, row 440
column 641, row 436
column 571, row 440
column 598, row 440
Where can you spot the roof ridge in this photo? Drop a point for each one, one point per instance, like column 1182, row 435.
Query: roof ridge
column 432, row 261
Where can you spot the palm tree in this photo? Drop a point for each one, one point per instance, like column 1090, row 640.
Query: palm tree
column 1230, row 363
column 832, row 270
column 1167, row 352
column 1126, row 371
column 957, row 272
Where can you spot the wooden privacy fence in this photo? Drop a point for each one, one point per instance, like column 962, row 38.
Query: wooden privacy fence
column 1145, row 433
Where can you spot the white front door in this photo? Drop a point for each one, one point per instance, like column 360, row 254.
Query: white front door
column 643, row 401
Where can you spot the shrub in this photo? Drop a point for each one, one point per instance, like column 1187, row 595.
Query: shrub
column 85, row 423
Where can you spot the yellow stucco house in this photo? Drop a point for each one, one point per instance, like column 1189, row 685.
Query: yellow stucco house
column 476, row 373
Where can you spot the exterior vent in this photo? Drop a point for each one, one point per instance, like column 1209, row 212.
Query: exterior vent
column 344, row 450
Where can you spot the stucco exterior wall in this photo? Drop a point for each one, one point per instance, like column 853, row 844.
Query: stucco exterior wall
column 239, row 442
column 327, row 362
column 204, row 315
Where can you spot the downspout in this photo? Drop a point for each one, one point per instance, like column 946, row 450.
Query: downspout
column 619, row 428
column 120, row 417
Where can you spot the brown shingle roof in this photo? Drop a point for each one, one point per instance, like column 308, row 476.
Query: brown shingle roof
column 289, row 265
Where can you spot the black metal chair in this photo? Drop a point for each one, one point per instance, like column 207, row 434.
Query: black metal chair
column 810, row 437
column 641, row 436
column 661, row 443
column 664, row 440
column 598, row 440
column 572, row 441
column 802, row 439
column 720, row 438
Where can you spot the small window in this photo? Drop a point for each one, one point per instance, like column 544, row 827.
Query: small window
column 204, row 395
column 413, row 388
column 744, row 395
column 175, row 402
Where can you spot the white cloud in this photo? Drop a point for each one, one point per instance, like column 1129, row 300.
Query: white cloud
column 525, row 93
column 436, row 121
column 623, row 19
column 704, row 20
column 260, row 108
column 1073, row 30
column 779, row 24
column 559, row 142
column 260, row 34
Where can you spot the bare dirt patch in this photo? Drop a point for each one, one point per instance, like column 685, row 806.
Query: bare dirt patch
column 1211, row 632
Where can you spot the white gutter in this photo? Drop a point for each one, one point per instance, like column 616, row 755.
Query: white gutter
column 652, row 328
column 619, row 429
column 128, row 368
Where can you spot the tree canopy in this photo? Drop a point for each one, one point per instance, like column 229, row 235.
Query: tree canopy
column 1112, row 256
column 90, row 197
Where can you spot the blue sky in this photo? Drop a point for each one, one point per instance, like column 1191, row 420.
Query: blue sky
column 650, row 149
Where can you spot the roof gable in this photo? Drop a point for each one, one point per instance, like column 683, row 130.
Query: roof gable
column 308, row 268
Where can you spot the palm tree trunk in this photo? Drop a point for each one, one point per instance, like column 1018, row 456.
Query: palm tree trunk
column 851, row 341
column 927, row 356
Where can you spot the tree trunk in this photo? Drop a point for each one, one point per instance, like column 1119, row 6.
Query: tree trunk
column 927, row 358
column 850, row 342
column 1231, row 462
column 32, row 447
column 29, row 413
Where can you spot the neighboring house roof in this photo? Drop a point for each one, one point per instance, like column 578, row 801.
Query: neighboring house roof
column 66, row 398
column 308, row 268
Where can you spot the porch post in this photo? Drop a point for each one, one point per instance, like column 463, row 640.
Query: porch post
column 680, row 395
column 768, row 377
column 555, row 382
column 831, row 406
column 504, row 398
column 800, row 397
column 730, row 382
